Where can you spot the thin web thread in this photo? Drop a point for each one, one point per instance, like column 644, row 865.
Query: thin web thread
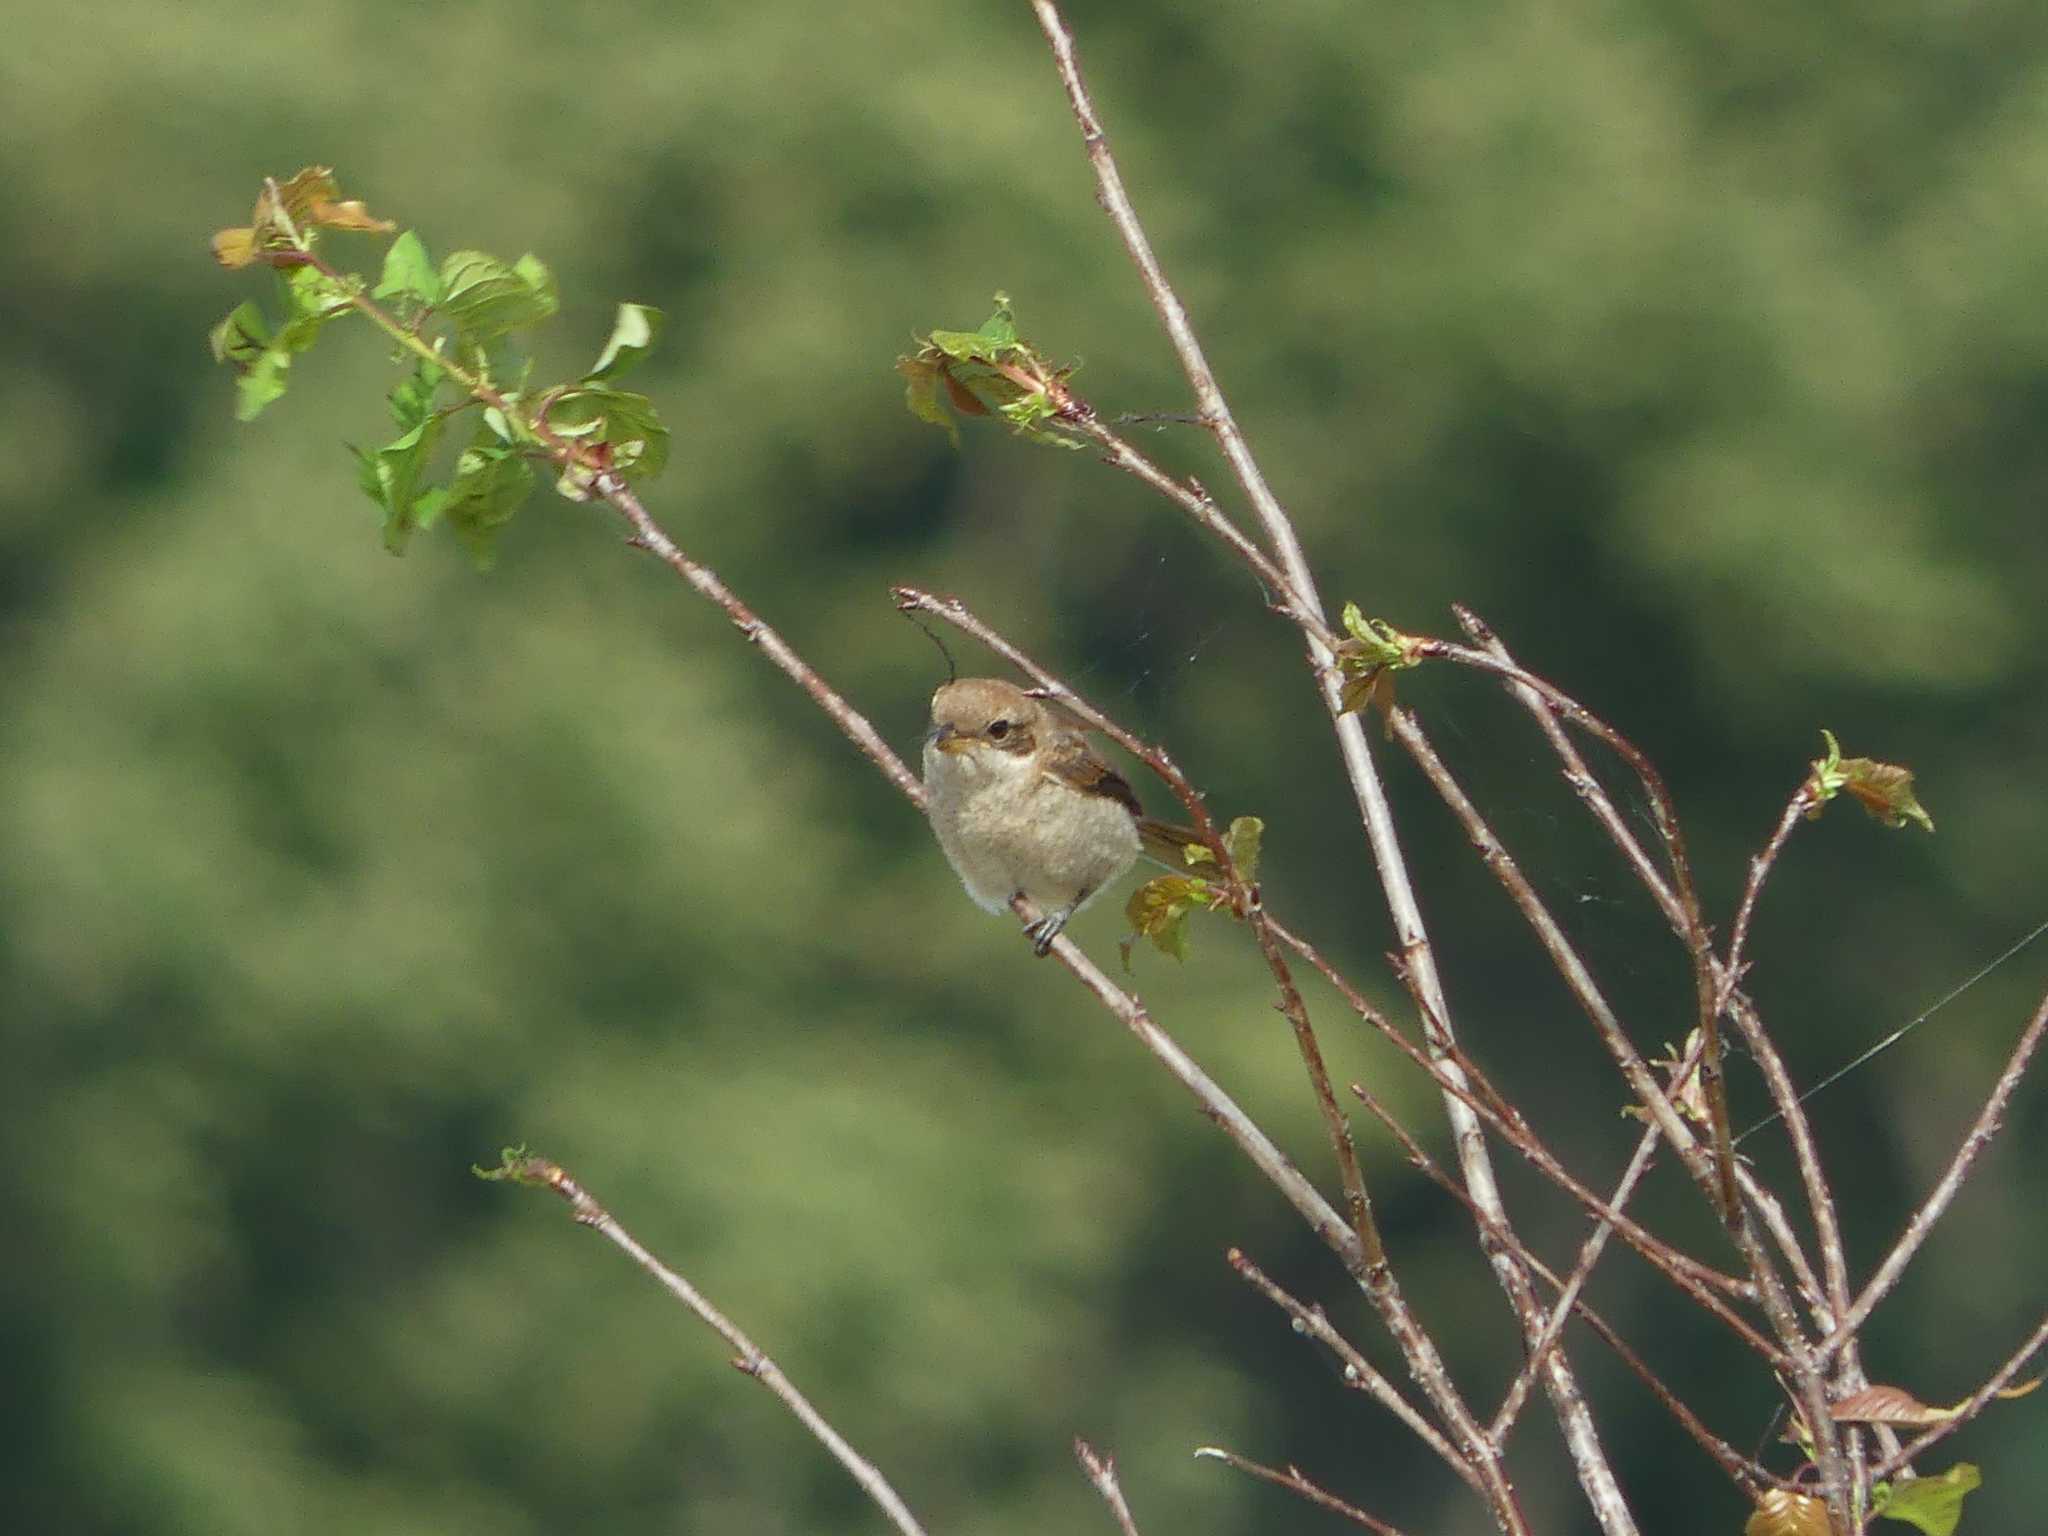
column 1902, row 1031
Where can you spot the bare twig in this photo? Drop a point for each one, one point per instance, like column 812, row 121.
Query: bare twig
column 1692, row 927
column 1820, row 1200
column 1360, row 1373
column 1101, row 1471
column 1936, row 1205
column 647, row 535
column 1561, row 1308
column 749, row 1357
column 1294, row 1482
column 1738, row 1466
column 1298, row 590
column 1999, row 1380
column 1564, row 958
column 1700, row 1281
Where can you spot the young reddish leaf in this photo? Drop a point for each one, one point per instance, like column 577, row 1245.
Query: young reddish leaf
column 1885, row 790
column 286, row 221
column 1887, row 1405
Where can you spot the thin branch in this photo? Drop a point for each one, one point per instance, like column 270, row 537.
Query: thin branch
column 1745, row 1471
column 1772, row 1210
column 1999, row 1380
column 1295, row 1482
column 1360, row 1373
column 1564, row 958
column 1697, row 1280
column 1692, row 928
column 1987, row 1124
column 647, row 535
column 1820, row 1199
column 1101, row 1471
column 1596, row 1475
column 749, row 1357
column 1567, row 1297
column 1547, row 705
column 1418, row 1349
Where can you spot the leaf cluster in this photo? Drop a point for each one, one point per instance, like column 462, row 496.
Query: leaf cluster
column 459, row 328
column 990, row 371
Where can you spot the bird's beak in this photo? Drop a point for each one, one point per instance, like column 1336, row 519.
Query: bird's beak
column 944, row 737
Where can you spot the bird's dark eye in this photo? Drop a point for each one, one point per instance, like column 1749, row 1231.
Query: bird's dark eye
column 998, row 729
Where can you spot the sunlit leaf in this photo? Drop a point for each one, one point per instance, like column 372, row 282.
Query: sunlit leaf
column 1158, row 909
column 390, row 477
column 412, row 398
column 635, row 329
column 234, row 248
column 485, row 298
column 1934, row 1504
column 304, row 203
column 408, row 273
column 261, row 382
column 997, row 336
column 991, row 371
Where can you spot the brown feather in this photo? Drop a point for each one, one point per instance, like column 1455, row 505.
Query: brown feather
column 1073, row 761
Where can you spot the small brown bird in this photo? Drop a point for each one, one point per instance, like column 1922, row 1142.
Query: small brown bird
column 1022, row 804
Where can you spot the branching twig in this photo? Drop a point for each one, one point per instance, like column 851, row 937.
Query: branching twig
column 1936, row 1205
column 1361, row 1374
column 1999, row 1380
column 1741, row 1468
column 1298, row 590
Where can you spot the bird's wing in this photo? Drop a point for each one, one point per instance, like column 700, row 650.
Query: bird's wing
column 1072, row 761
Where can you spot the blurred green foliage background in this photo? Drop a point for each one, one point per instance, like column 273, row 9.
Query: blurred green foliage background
column 1701, row 348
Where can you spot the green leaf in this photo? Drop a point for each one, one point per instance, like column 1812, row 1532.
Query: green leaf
column 635, row 329
column 485, row 298
column 390, row 477
column 242, row 337
column 261, row 382
column 1934, row 1504
column 408, row 273
column 1244, row 838
column 490, row 482
column 412, row 398
column 998, row 334
column 1159, row 909
column 311, row 293
column 992, row 370
column 261, row 361
column 1028, row 415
